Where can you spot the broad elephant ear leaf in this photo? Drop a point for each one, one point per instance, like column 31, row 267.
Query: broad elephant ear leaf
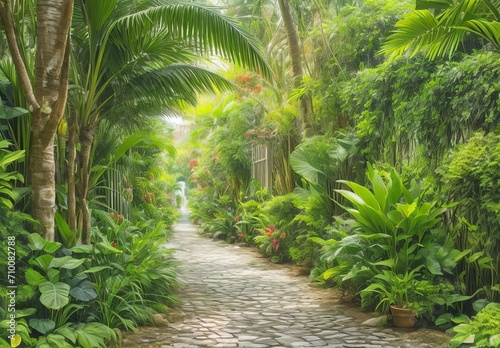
column 43, row 326
column 84, row 291
column 301, row 164
column 54, row 296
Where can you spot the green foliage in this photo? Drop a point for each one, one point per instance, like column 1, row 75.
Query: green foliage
column 442, row 32
column 281, row 211
column 276, row 239
column 134, row 276
column 469, row 178
column 274, row 243
column 361, row 30
column 321, row 161
column 409, row 290
column 482, row 331
column 397, row 225
column 390, row 289
column 250, row 220
column 7, row 195
column 13, row 224
column 55, row 293
column 390, row 104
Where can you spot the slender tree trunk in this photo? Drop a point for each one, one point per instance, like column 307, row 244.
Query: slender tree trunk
column 295, row 57
column 48, row 98
column 73, row 135
column 86, row 140
column 62, row 139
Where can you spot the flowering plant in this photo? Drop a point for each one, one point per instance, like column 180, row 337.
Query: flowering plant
column 260, row 136
column 250, row 85
column 271, row 242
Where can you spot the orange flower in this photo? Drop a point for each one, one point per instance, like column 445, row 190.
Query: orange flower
column 282, row 235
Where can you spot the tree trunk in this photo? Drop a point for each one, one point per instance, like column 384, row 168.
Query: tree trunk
column 43, row 180
column 295, row 57
column 73, row 134
column 48, row 98
column 86, row 140
column 51, row 90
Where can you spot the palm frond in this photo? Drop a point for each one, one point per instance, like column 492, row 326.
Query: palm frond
column 488, row 30
column 440, row 35
column 170, row 83
column 203, row 29
column 415, row 31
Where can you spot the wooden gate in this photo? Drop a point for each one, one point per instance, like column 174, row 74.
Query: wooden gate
column 262, row 167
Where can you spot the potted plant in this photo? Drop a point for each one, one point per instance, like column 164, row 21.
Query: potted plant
column 394, row 292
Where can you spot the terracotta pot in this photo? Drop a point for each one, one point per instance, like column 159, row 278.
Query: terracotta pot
column 403, row 317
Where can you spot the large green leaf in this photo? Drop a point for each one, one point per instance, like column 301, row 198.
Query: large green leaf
column 378, row 187
column 68, row 236
column 84, row 291
column 34, row 278
column 54, row 296
column 42, row 261
column 300, row 162
column 43, row 326
column 364, row 195
column 66, row 262
column 38, row 243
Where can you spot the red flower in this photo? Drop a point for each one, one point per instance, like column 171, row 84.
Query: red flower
column 269, row 234
column 271, row 228
column 214, row 159
column 112, row 215
column 247, row 135
column 113, row 244
column 282, row 235
column 241, row 235
column 276, row 244
column 119, row 217
column 193, row 163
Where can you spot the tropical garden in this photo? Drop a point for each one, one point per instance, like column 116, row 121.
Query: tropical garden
column 358, row 139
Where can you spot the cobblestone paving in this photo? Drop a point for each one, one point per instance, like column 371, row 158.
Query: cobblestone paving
column 233, row 298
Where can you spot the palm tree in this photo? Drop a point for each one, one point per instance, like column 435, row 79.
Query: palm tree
column 142, row 58
column 441, row 32
column 46, row 99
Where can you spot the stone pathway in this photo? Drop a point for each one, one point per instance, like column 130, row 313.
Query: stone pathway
column 234, row 298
